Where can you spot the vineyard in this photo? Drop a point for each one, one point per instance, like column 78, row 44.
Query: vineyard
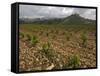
column 51, row 47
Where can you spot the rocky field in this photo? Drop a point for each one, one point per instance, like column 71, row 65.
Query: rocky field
column 50, row 48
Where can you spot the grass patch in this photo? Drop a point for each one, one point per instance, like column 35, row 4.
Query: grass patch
column 74, row 61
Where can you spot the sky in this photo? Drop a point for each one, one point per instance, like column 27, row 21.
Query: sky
column 36, row 11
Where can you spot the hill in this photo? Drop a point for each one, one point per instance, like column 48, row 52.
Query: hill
column 74, row 19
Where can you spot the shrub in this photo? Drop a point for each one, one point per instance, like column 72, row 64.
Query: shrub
column 74, row 61
column 34, row 40
column 28, row 37
column 52, row 56
column 21, row 35
column 46, row 48
column 56, row 31
column 67, row 37
column 84, row 39
column 49, row 53
column 47, row 34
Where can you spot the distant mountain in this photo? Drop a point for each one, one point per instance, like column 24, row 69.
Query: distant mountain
column 74, row 19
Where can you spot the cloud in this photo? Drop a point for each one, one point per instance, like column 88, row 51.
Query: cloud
column 54, row 12
column 86, row 12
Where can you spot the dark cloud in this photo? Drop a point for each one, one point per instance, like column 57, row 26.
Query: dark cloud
column 34, row 11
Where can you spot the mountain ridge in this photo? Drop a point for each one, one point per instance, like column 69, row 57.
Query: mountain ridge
column 74, row 19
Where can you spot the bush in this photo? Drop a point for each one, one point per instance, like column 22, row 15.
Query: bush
column 47, row 34
column 21, row 35
column 46, row 48
column 74, row 61
column 56, row 31
column 84, row 39
column 28, row 37
column 49, row 53
column 67, row 37
column 34, row 40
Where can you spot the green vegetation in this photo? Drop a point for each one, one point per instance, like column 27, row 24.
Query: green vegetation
column 21, row 35
column 74, row 61
column 47, row 34
column 57, row 43
column 46, row 48
column 48, row 51
column 34, row 40
column 28, row 37
column 84, row 39
column 67, row 37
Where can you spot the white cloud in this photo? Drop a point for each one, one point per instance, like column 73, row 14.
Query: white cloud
column 54, row 12
column 85, row 12
column 68, row 11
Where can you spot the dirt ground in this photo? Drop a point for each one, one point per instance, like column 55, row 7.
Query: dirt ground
column 63, row 45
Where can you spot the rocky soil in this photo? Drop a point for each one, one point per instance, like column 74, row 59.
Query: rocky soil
column 62, row 48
